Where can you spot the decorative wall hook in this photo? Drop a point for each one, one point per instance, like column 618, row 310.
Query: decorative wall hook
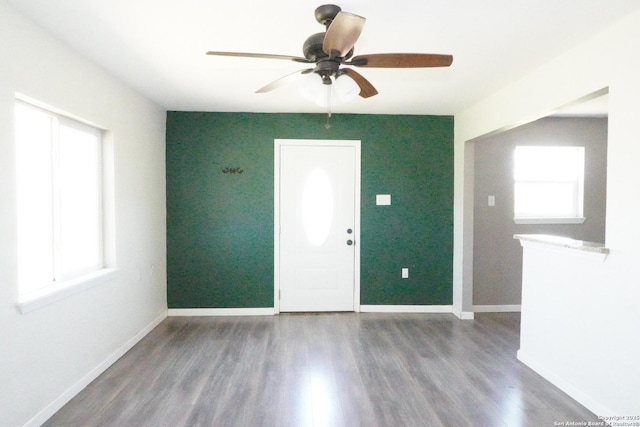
column 227, row 169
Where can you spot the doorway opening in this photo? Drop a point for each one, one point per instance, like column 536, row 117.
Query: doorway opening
column 493, row 283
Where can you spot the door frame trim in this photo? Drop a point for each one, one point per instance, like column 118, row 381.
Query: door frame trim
column 277, row 143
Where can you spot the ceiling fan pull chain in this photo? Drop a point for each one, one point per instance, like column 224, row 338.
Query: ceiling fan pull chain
column 328, row 124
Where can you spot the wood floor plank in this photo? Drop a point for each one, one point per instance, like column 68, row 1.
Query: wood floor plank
column 327, row 369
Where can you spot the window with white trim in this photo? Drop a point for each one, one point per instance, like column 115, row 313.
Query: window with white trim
column 548, row 184
column 59, row 198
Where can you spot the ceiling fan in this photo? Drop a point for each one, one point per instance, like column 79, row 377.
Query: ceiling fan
column 332, row 49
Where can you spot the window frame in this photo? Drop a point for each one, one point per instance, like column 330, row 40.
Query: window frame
column 63, row 285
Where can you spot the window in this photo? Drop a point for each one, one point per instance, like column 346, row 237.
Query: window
column 59, row 199
column 549, row 184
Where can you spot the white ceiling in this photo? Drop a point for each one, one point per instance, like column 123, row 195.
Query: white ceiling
column 158, row 46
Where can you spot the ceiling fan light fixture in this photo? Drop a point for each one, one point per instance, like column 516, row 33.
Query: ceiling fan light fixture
column 328, row 90
column 311, row 86
column 325, row 97
column 346, row 88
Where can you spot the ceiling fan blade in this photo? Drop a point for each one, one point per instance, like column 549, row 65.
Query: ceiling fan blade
column 366, row 88
column 342, row 34
column 261, row 56
column 276, row 84
column 401, row 60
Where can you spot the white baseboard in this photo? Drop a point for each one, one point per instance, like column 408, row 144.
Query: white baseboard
column 405, row 309
column 512, row 308
column 573, row 391
column 53, row 407
column 463, row 315
column 267, row 311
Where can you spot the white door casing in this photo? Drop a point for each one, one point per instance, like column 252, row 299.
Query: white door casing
column 317, row 222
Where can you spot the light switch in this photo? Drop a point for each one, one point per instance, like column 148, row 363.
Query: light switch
column 491, row 200
column 383, row 199
column 405, row 273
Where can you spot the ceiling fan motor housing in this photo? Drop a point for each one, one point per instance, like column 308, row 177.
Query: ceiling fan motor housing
column 312, row 48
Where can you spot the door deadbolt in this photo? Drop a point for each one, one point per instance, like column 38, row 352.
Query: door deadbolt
column 349, row 242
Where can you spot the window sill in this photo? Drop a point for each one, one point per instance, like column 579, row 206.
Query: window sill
column 549, row 220
column 50, row 294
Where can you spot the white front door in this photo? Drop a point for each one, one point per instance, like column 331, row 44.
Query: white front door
column 317, row 225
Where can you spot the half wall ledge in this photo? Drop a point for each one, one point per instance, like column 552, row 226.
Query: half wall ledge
column 579, row 247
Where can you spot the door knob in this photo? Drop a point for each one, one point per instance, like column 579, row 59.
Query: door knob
column 349, row 242
column 349, row 231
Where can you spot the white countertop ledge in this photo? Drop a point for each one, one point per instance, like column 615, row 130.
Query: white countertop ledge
column 580, row 246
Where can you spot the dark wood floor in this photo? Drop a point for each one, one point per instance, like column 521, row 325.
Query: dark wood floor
column 333, row 369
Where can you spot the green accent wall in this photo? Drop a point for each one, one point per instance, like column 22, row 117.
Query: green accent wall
column 220, row 225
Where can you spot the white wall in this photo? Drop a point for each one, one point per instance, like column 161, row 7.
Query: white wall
column 48, row 354
column 609, row 59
